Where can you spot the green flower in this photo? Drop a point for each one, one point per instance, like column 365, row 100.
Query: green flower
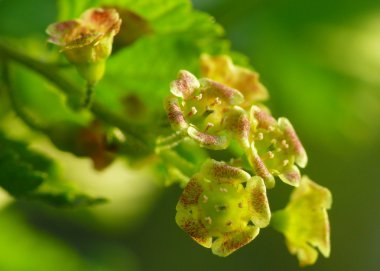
column 201, row 108
column 275, row 148
column 87, row 42
column 223, row 207
column 305, row 223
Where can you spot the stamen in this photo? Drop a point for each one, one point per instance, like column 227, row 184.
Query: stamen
column 192, row 112
column 209, row 125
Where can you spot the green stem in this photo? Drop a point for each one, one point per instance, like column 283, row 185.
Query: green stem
column 52, row 74
column 89, row 94
column 15, row 104
column 173, row 158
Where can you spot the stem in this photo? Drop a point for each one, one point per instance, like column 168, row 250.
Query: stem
column 173, row 158
column 89, row 94
column 53, row 75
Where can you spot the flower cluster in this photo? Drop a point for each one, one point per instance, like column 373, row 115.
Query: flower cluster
column 222, row 207
column 213, row 115
column 87, row 42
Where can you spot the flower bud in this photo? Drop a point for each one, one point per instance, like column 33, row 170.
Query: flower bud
column 87, row 42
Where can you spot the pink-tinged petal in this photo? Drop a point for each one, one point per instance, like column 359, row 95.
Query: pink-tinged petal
column 191, row 193
column 261, row 119
column 229, row 242
column 258, row 202
column 291, row 176
column 236, row 120
column 194, row 228
column 295, row 143
column 61, row 33
column 82, row 41
column 223, row 173
column 259, row 167
column 175, row 114
column 185, row 85
column 225, row 93
column 213, row 142
column 106, row 21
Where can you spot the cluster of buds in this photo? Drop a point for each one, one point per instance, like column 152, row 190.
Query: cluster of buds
column 222, row 207
column 87, row 42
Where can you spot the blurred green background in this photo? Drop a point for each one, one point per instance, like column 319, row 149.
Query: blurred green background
column 321, row 63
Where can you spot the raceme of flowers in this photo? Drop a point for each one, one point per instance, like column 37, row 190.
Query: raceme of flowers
column 222, row 207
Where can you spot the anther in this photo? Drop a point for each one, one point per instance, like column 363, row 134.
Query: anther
column 192, row 112
column 222, row 189
column 198, row 97
column 209, row 125
column 284, row 143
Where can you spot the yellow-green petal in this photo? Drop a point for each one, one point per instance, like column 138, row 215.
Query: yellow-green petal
column 305, row 223
column 230, row 242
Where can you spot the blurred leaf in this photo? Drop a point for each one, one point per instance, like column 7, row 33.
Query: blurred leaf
column 66, row 199
column 24, row 248
column 30, row 175
column 18, row 18
column 33, row 91
column 21, row 169
column 133, row 28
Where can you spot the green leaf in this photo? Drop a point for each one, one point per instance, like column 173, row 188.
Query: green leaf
column 66, row 199
column 21, row 169
column 29, row 175
column 41, row 99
